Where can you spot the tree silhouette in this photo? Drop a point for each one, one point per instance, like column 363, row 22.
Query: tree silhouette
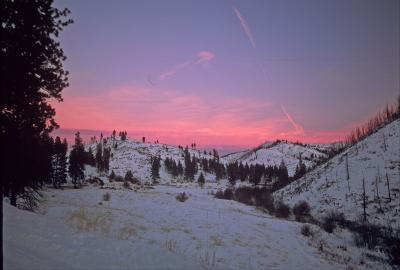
column 31, row 64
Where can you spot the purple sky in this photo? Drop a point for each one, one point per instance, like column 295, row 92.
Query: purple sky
column 229, row 72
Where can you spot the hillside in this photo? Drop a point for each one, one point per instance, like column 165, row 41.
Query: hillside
column 376, row 159
column 136, row 156
column 150, row 229
column 272, row 153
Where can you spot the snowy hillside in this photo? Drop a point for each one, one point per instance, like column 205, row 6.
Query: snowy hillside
column 150, row 229
column 136, row 156
column 272, row 153
column 376, row 159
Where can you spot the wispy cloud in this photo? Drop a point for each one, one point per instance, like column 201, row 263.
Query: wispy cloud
column 172, row 71
column 298, row 129
column 202, row 57
column 245, row 26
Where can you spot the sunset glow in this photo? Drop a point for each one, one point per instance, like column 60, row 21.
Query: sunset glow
column 221, row 74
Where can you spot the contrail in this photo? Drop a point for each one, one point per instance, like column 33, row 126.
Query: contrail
column 299, row 130
column 245, row 26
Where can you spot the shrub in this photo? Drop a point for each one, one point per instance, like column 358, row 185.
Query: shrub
column 338, row 218
column 265, row 200
column 328, row 225
column 305, row 230
column 244, row 195
column 126, row 185
column 119, row 178
column 282, row 210
column 228, row 194
column 219, row 194
column 301, row 210
column 106, row 197
column 182, row 197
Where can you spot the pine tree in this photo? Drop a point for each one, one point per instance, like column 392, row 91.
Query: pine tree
column 59, row 162
column 128, row 176
column 99, row 157
column 77, row 161
column 155, row 168
column 201, row 180
column 32, row 73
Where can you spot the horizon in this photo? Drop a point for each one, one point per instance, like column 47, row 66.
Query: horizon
column 229, row 74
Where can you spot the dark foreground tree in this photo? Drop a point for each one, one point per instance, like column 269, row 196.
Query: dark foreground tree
column 31, row 66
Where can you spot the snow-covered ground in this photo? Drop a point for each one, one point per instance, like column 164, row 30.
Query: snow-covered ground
column 136, row 156
column 272, row 153
column 150, row 229
column 376, row 159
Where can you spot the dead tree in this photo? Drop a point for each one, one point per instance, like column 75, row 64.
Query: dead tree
column 388, row 187
column 347, row 172
column 364, row 202
column 384, row 141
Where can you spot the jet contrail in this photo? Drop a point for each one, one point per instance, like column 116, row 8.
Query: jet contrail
column 245, row 26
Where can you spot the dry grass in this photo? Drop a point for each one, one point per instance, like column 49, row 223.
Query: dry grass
column 106, row 197
column 85, row 222
column 170, row 245
column 126, row 232
column 208, row 259
column 217, row 241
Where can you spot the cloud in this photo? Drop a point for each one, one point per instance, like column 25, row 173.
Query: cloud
column 298, row 129
column 181, row 118
column 202, row 57
column 170, row 72
column 245, row 26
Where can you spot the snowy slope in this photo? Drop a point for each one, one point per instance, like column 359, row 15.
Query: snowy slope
column 327, row 187
column 150, row 229
column 136, row 156
column 272, row 153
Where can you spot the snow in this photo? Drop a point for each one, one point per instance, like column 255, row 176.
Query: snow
column 150, row 229
column 327, row 187
column 272, row 153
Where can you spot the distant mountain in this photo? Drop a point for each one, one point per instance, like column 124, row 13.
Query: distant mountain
column 273, row 152
column 338, row 183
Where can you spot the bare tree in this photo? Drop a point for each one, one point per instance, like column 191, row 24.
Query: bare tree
column 347, row 172
column 388, row 187
column 364, row 202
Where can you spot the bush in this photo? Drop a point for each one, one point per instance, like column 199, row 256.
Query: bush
column 182, row 197
column 338, row 218
column 126, row 185
column 119, row 179
column 327, row 225
column 301, row 210
column 106, row 197
column 282, row 210
column 265, row 200
column 244, row 195
column 219, row 194
column 305, row 230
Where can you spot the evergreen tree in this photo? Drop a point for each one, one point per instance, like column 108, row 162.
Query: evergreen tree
column 301, row 169
column 155, row 168
column 77, row 161
column 112, row 175
column 201, row 180
column 106, row 159
column 283, row 175
column 59, row 162
column 99, row 157
column 31, row 66
column 128, row 176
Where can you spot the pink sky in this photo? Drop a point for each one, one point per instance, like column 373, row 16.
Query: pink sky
column 181, row 119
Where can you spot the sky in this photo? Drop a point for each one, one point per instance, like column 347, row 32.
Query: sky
column 228, row 73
